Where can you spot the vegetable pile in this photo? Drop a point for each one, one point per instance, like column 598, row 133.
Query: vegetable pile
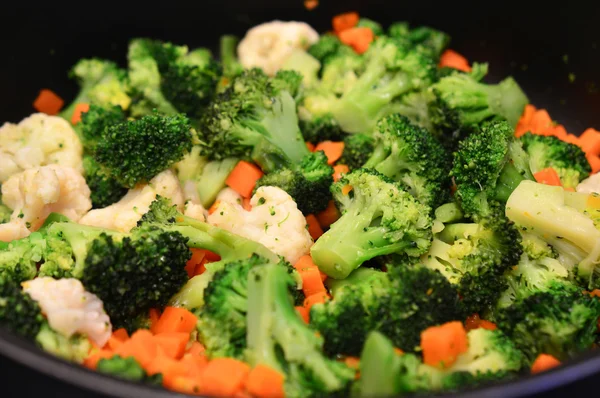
column 357, row 213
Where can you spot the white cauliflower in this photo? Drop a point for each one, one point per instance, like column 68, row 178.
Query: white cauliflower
column 268, row 45
column 38, row 140
column 35, row 193
column 230, row 196
column 590, row 184
column 69, row 308
column 274, row 221
column 193, row 208
column 124, row 215
column 12, row 230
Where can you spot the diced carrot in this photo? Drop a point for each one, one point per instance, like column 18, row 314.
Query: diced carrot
column 398, row 351
column 311, row 4
column 92, row 360
column 548, row 176
column 197, row 348
column 310, row 146
column 172, row 343
column 243, row 177
column 154, row 315
column 474, row 322
column 339, row 170
column 572, row 139
column 442, row 344
column 185, row 385
column 79, row 109
column 214, row 207
column 323, row 276
column 113, row 343
column 314, row 228
column 265, row 382
column 304, row 262
column 201, row 268
column 484, row 324
column 527, row 114
column 195, row 364
column 352, row 362
column 168, row 367
column 48, row 102
column 540, row 121
column 195, row 260
column 329, row 215
column 594, row 161
column 316, row 299
column 311, row 281
column 223, row 377
column 560, row 132
column 333, row 150
column 303, row 312
column 141, row 346
column 544, row 362
column 344, row 21
column 174, row 319
column 121, row 334
column 590, row 142
column 359, row 38
column 570, row 189
column 246, row 204
column 452, row 59
column 346, row 189
column 211, row 256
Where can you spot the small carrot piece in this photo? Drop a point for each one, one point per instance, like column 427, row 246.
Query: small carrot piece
column 223, row 377
column 311, row 4
column 92, row 360
column 48, row 102
column 314, row 228
column 168, row 367
column 311, row 281
column 185, row 385
column 303, row 312
column 452, row 59
column 323, row 276
column 194, row 364
column 344, row 21
column 398, row 351
column 174, row 319
column 346, row 189
column 79, row 109
column 540, row 121
column 172, row 343
column 484, row 324
column 329, row 215
column 310, row 146
column 594, row 161
column 265, row 382
column 246, row 204
column 333, row 150
column 590, row 141
column 121, row 334
column 544, row 362
column 474, row 322
column 352, row 362
column 195, row 260
column 304, row 262
column 442, row 344
column 559, row 132
column 548, row 176
column 197, row 348
column 154, row 315
column 214, row 207
column 359, row 38
column 243, row 177
column 113, row 343
column 316, row 299
column 339, row 170
column 141, row 346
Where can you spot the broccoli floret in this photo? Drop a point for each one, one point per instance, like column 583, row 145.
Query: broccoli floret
column 345, row 321
column 390, row 71
column 75, row 348
column 136, row 151
column 463, row 102
column 560, row 321
column 474, row 258
column 145, row 79
column 19, row 258
column 307, row 183
column 126, row 368
column 327, row 45
column 252, row 119
column 305, row 64
column 101, row 83
column 340, row 71
column 413, row 157
column 357, row 150
column 19, row 313
column 488, row 166
column 320, row 128
column 95, row 122
column 228, row 54
column 375, row 27
column 378, row 218
column 567, row 159
column 279, row 338
column 105, row 190
column 428, row 40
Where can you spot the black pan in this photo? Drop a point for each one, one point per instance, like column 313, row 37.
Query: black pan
column 554, row 53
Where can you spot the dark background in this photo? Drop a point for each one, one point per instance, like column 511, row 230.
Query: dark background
column 554, row 53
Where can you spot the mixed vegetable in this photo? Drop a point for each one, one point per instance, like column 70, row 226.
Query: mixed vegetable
column 356, row 213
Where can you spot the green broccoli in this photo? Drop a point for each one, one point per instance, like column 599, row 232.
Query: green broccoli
column 253, row 120
column 126, row 368
column 375, row 27
column 278, row 337
column 357, row 150
column 391, row 70
column 136, row 151
column 560, row 321
column 567, row 159
column 307, row 183
column 19, row 258
column 339, row 71
column 228, row 55
column 105, row 190
column 378, row 218
column 101, row 83
column 413, row 157
column 74, row 349
column 327, row 45
column 95, row 123
column 488, row 166
column 428, row 40
column 320, row 128
column 19, row 313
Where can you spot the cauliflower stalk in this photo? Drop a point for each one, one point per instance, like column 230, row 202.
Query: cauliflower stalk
column 70, row 309
column 590, row 184
column 35, row 193
column 268, row 45
column 38, row 140
column 273, row 221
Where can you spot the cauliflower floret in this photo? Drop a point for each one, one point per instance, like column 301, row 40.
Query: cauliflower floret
column 124, row 215
column 268, row 45
column 38, row 140
column 12, row 230
column 590, row 184
column 69, row 308
column 35, row 193
column 193, row 208
column 274, row 221
column 230, row 196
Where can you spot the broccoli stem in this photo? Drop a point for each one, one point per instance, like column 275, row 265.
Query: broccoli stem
column 379, row 367
column 453, row 232
column 227, row 51
column 449, row 212
column 509, row 180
